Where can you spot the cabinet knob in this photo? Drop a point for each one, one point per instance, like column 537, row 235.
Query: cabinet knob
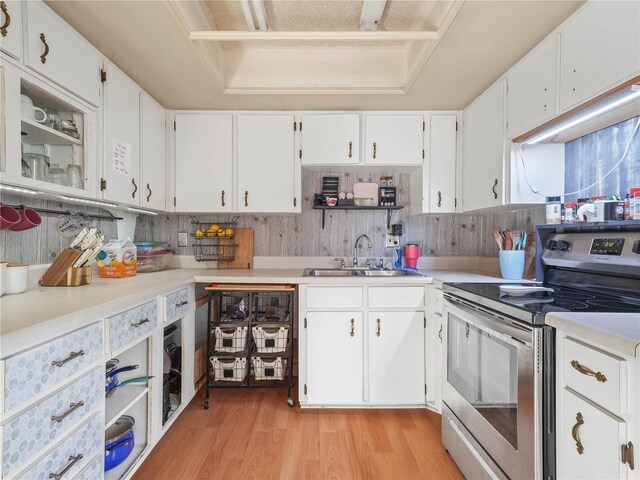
column 7, row 19
column 43, row 57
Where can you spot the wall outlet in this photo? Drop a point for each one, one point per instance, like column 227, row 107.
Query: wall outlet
column 391, row 241
column 183, row 239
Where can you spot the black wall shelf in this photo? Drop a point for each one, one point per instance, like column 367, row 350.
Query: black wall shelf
column 388, row 208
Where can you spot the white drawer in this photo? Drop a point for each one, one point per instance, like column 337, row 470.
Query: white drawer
column 125, row 327
column 87, row 441
column 28, row 434
column 396, row 297
column 94, row 471
column 30, row 372
column 334, row 297
column 598, row 375
column 177, row 304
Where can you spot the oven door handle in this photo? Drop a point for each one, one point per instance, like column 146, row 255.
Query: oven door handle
column 507, row 331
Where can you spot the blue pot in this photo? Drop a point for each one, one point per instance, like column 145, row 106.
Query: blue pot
column 119, row 442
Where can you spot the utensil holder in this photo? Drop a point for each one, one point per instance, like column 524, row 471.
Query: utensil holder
column 512, row 264
column 62, row 273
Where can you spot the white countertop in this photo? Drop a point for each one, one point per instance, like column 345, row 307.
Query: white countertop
column 42, row 313
column 617, row 331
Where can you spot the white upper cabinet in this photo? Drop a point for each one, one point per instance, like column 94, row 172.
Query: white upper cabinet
column 483, row 148
column 330, row 139
column 204, row 163
column 531, row 91
column 59, row 53
column 394, row 139
column 153, row 151
column 600, row 48
column 441, row 170
column 122, row 138
column 266, row 163
column 11, row 27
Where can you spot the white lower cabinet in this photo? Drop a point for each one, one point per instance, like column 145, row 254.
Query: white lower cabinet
column 362, row 354
column 396, row 358
column 334, row 355
column 598, row 406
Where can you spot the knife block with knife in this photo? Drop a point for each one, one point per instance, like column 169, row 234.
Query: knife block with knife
column 62, row 272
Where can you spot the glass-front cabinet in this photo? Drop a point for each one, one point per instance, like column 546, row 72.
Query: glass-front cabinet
column 49, row 136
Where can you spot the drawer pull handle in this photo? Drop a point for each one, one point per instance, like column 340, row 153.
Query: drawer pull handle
column 599, row 376
column 181, row 304
column 7, row 19
column 72, row 408
column 72, row 461
column 379, row 328
column 575, row 433
column 140, row 323
column 353, row 327
column 43, row 57
column 72, row 355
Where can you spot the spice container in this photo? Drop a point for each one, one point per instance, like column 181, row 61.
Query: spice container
column 570, row 212
column 553, row 211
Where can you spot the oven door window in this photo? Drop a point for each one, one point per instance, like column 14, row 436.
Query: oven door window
column 484, row 370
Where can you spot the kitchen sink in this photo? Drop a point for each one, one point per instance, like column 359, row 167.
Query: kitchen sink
column 361, row 272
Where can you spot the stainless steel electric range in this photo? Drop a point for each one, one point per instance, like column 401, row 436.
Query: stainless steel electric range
column 498, row 391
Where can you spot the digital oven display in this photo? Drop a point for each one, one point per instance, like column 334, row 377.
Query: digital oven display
column 607, row 246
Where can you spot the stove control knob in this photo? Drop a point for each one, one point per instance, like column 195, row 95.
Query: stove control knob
column 562, row 245
column 550, row 245
column 636, row 247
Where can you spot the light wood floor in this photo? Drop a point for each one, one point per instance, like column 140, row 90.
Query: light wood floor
column 252, row 433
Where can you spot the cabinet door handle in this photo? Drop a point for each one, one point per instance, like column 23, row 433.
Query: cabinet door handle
column 599, row 376
column 353, row 327
column 440, row 334
column 7, row 19
column 350, row 149
column 43, row 57
column 150, row 192
column 222, row 198
column 246, row 198
column 72, row 408
column 493, row 189
column 140, row 322
column 72, row 461
column 379, row 322
column 375, row 147
column 439, row 199
column 72, row 355
column 135, row 188
column 576, row 434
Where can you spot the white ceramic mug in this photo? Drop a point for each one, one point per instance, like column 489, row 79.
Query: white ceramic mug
column 3, row 269
column 30, row 112
column 15, row 277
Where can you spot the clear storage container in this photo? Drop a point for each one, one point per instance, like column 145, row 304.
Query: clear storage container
column 154, row 261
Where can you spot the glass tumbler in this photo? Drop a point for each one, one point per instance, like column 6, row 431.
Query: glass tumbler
column 52, row 118
column 74, row 176
column 57, row 174
column 38, row 163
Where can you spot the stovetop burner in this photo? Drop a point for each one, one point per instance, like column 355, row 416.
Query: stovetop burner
column 614, row 305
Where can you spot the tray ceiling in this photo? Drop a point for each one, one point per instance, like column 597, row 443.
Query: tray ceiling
column 316, row 46
column 150, row 41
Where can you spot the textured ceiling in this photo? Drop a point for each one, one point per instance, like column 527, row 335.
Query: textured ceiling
column 146, row 41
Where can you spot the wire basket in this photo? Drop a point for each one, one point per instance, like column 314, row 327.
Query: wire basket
column 213, row 240
column 216, row 251
column 271, row 307
column 269, row 369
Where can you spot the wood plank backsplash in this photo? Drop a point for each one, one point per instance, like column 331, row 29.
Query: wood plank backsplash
column 302, row 234
column 40, row 245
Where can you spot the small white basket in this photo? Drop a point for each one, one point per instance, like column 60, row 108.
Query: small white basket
column 230, row 340
column 229, row 369
column 270, row 340
column 269, row 369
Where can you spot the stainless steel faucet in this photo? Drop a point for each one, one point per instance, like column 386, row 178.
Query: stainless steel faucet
column 355, row 248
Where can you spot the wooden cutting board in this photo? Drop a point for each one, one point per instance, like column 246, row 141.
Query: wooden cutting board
column 243, row 237
column 530, row 257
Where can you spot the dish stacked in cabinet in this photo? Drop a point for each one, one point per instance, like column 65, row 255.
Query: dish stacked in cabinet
column 127, row 407
column 250, row 337
column 53, row 407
